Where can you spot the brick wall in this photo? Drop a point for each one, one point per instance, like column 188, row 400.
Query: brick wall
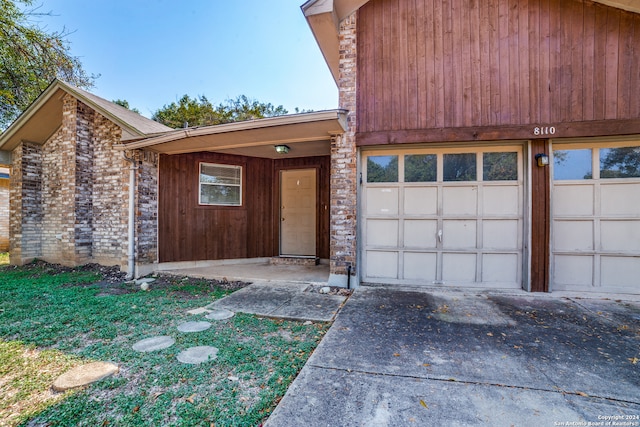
column 69, row 197
column 147, row 207
column 343, row 162
column 25, row 203
column 4, row 215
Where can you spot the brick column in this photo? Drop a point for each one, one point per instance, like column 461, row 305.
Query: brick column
column 25, row 200
column 343, row 166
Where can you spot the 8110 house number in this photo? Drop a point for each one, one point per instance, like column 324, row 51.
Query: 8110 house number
column 544, row 130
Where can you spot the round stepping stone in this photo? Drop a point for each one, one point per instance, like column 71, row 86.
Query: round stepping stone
column 84, row 375
column 197, row 355
column 154, row 344
column 220, row 314
column 194, row 326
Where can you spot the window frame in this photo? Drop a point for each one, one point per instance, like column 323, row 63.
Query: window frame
column 226, row 166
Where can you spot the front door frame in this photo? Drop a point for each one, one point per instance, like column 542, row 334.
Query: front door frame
column 278, row 207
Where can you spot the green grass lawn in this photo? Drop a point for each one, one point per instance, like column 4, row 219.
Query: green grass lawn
column 51, row 321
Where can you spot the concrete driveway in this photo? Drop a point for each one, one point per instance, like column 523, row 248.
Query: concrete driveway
column 421, row 358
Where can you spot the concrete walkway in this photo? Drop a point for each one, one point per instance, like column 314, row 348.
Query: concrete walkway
column 284, row 300
column 419, row 358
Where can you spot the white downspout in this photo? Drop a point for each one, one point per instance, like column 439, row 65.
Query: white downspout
column 132, row 218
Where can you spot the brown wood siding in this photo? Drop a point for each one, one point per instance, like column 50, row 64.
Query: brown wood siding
column 188, row 231
column 428, row 64
column 540, row 219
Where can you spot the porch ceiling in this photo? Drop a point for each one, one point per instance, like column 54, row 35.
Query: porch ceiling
column 307, row 134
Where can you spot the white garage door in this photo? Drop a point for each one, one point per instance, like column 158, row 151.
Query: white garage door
column 449, row 217
column 595, row 229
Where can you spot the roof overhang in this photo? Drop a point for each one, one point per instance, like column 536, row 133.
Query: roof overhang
column 306, row 134
column 44, row 116
column 324, row 17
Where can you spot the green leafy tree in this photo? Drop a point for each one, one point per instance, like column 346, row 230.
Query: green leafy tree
column 30, row 58
column 200, row 111
column 124, row 103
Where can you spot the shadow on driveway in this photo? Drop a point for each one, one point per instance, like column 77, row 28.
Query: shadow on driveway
column 417, row 358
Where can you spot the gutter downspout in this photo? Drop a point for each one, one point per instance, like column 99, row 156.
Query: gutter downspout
column 132, row 218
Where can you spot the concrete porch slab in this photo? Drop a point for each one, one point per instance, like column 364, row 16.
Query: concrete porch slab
column 258, row 271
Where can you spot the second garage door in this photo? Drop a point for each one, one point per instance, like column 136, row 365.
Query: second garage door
column 448, row 216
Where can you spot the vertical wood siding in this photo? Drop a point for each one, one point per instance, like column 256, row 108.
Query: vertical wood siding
column 471, row 63
column 190, row 232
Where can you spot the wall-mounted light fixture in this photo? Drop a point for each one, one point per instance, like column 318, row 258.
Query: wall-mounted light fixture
column 282, row 149
column 542, row 159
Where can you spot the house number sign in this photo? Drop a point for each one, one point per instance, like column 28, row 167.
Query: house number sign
column 544, row 130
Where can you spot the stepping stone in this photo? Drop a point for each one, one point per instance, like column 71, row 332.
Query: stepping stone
column 197, row 355
column 194, row 326
column 84, row 375
column 154, row 344
column 198, row 311
column 220, row 314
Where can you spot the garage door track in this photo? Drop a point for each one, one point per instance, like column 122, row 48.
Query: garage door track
column 416, row 358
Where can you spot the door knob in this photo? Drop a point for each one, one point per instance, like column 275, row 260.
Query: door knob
column 440, row 236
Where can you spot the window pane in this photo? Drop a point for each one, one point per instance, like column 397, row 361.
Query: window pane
column 219, row 195
column 572, row 164
column 220, row 174
column 459, row 167
column 382, row 169
column 420, row 168
column 623, row 162
column 500, row 166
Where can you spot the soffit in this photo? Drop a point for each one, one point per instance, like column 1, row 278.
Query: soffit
column 307, row 134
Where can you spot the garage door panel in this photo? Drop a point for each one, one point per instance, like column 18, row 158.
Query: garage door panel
column 620, row 272
column 382, row 201
column 383, row 265
column 573, row 235
column 460, row 200
column 458, row 267
column 421, row 201
column 500, row 200
column 459, row 234
column 620, row 199
column 382, row 232
column 620, row 236
column 500, row 234
column 420, row 234
column 501, row 268
column 573, row 270
column 572, row 200
column 420, row 266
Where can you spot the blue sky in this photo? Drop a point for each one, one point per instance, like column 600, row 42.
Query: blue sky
column 151, row 52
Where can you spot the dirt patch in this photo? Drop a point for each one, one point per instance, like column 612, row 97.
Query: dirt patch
column 113, row 281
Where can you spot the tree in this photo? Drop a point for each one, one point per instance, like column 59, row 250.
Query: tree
column 124, row 103
column 30, row 58
column 201, row 112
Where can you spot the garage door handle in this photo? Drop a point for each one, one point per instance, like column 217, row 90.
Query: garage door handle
column 440, row 236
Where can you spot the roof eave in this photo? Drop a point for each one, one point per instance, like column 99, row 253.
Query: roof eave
column 330, row 115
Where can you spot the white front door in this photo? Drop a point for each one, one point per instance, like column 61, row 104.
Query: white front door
column 298, row 212
column 595, row 217
column 443, row 216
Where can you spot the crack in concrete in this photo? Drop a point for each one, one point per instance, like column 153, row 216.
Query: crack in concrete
column 453, row 380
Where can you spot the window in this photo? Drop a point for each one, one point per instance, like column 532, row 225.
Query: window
column 459, row 167
column 420, row 168
column 220, row 185
column 623, row 162
column 500, row 166
column 382, row 169
column 572, row 164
